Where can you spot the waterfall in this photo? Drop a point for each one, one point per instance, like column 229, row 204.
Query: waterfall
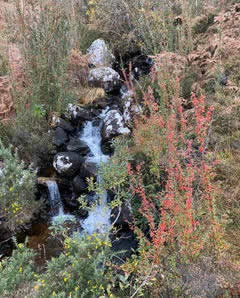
column 99, row 217
column 56, row 202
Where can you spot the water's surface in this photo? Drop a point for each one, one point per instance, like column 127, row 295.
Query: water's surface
column 99, row 217
column 57, row 210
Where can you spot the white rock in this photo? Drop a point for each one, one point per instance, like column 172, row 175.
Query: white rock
column 62, row 163
column 100, row 54
column 113, row 124
column 104, row 77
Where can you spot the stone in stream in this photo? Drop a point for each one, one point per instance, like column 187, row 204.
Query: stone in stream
column 104, row 77
column 99, row 54
column 89, row 169
column 67, row 163
column 79, row 185
column 64, row 125
column 78, row 114
column 114, row 125
column 77, row 145
column 60, row 137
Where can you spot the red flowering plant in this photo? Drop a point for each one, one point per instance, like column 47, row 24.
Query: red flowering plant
column 181, row 216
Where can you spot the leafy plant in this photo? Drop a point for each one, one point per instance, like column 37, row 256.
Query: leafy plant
column 17, row 185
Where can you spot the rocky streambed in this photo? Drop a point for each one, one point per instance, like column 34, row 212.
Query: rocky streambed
column 82, row 137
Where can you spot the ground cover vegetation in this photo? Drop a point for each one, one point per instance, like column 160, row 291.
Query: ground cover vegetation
column 178, row 171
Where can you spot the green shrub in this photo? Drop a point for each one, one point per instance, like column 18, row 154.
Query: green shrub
column 16, row 271
column 17, row 187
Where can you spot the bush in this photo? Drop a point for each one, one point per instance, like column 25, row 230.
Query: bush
column 17, row 185
column 17, row 271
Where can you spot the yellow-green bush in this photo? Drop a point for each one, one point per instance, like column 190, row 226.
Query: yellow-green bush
column 17, row 187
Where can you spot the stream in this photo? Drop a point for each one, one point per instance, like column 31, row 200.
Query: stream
column 98, row 219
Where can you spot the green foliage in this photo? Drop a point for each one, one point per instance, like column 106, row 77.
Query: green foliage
column 44, row 29
column 17, row 187
column 80, row 271
column 31, row 137
column 17, row 270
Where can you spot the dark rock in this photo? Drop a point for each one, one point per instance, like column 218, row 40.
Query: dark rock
column 107, row 148
column 88, row 169
column 124, row 244
column 122, row 220
column 76, row 145
column 78, row 114
column 64, row 125
column 67, row 163
column 60, row 137
column 79, row 185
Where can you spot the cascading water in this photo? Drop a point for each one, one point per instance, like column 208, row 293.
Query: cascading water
column 56, row 202
column 99, row 217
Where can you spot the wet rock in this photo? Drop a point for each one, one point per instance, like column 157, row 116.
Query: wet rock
column 76, row 145
column 64, row 125
column 99, row 54
column 104, row 77
column 60, row 137
column 89, row 169
column 114, row 125
column 79, row 185
column 67, row 163
column 78, row 114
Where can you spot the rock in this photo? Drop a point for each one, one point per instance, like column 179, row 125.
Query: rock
column 124, row 218
column 64, row 125
column 114, row 125
column 67, row 163
column 99, row 54
column 141, row 66
column 130, row 108
column 124, row 244
column 78, row 114
column 89, row 169
column 104, row 77
column 60, row 137
column 79, row 185
column 76, row 145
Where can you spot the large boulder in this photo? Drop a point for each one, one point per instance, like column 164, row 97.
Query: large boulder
column 104, row 77
column 67, row 163
column 99, row 55
column 60, row 137
column 77, row 145
column 114, row 125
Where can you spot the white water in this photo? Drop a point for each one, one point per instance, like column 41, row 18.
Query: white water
column 98, row 219
column 56, row 203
